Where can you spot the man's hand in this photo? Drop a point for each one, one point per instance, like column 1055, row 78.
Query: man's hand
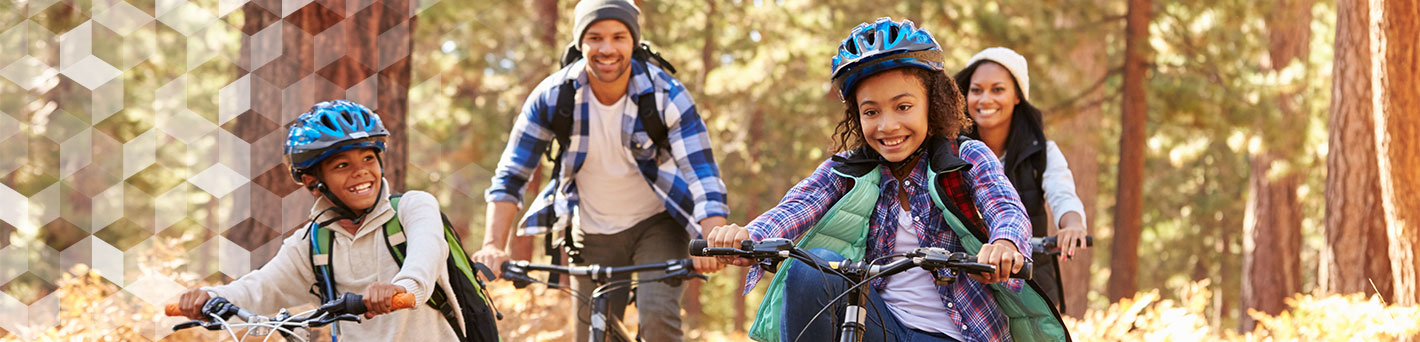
column 379, row 298
column 729, row 237
column 492, row 257
column 191, row 302
column 706, row 265
column 1004, row 255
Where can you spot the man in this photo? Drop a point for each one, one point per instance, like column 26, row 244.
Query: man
column 628, row 196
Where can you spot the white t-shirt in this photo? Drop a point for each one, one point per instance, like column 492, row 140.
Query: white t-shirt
column 912, row 295
column 614, row 194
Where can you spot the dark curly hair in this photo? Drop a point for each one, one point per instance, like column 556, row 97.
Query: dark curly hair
column 946, row 110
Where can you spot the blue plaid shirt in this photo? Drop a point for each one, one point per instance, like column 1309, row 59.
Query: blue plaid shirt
column 969, row 303
column 688, row 182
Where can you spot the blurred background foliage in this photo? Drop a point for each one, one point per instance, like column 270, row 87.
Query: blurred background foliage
column 758, row 71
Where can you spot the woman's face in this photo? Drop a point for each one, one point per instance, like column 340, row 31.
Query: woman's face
column 892, row 108
column 991, row 96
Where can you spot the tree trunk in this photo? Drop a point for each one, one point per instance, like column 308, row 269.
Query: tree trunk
column 1355, row 226
column 1396, row 95
column 1081, row 154
column 323, row 53
column 1124, row 263
column 1274, row 220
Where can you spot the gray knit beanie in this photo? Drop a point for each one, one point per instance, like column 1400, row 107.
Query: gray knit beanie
column 591, row 11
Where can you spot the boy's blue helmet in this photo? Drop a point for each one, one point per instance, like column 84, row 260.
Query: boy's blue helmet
column 331, row 127
column 882, row 45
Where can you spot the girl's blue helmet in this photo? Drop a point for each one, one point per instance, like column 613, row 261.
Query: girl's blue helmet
column 331, row 127
column 882, row 45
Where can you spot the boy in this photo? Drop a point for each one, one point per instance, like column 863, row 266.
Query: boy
column 334, row 151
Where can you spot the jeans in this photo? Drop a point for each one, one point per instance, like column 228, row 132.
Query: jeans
column 655, row 240
column 808, row 290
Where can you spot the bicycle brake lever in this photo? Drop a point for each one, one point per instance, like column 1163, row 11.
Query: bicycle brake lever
column 188, row 324
column 328, row 320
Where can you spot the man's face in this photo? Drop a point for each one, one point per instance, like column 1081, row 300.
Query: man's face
column 607, row 46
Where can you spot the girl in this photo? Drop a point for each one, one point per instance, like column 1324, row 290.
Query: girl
column 900, row 128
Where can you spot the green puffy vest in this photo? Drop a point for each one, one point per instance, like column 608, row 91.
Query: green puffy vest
column 844, row 229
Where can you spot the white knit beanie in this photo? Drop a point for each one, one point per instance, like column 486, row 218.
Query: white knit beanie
column 1014, row 62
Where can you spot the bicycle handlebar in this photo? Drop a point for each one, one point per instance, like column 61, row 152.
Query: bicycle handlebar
column 349, row 303
column 675, row 270
column 929, row 258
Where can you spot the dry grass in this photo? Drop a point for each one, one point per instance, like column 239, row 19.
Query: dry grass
column 94, row 309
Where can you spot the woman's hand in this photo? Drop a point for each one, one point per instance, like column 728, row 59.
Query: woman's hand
column 1004, row 255
column 729, row 237
column 379, row 298
column 1069, row 239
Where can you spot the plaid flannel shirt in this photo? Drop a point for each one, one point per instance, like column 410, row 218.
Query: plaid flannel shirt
column 972, row 306
column 688, row 181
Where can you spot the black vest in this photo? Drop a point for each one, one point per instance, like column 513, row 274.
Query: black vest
column 1025, row 166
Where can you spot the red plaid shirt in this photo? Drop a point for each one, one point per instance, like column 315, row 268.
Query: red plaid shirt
column 971, row 307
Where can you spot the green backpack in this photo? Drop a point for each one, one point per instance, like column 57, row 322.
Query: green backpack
column 469, row 292
column 1031, row 318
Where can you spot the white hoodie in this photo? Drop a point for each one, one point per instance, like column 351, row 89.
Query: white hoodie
column 357, row 262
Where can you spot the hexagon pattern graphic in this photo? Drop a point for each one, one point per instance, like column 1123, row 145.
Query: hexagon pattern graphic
column 149, row 121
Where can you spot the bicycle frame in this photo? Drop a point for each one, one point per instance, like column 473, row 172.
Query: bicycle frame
column 857, row 273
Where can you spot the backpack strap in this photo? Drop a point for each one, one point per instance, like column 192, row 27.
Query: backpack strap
column 397, row 243
column 650, row 114
column 320, row 253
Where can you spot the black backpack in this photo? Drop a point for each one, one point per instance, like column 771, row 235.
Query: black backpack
column 561, row 125
column 469, row 291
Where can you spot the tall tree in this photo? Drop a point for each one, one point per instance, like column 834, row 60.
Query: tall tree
column 1395, row 95
column 1129, row 206
column 323, row 51
column 1272, row 247
column 1355, row 225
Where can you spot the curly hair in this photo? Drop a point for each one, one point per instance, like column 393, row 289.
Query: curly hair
column 946, row 110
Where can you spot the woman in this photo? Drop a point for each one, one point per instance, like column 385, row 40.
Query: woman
column 997, row 89
column 901, row 114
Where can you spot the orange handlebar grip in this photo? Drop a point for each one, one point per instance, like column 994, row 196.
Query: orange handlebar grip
column 172, row 310
column 403, row 301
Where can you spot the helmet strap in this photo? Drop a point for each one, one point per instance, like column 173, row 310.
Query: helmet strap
column 343, row 211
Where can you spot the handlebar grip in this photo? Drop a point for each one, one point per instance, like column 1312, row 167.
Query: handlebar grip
column 172, row 310
column 1026, row 272
column 697, row 247
column 403, row 301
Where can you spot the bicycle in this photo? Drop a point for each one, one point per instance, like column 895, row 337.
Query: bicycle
column 292, row 327
column 604, row 327
column 857, row 273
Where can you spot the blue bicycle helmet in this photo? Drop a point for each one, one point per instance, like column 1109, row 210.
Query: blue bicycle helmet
column 884, row 44
column 331, row 127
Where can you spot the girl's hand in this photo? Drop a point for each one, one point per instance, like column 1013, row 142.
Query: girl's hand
column 379, row 298
column 1069, row 239
column 1004, row 255
column 729, row 237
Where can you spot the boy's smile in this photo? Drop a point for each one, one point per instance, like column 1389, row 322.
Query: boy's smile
column 354, row 177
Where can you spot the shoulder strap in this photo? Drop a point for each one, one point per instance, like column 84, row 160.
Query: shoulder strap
column 320, row 252
column 650, row 115
column 397, row 244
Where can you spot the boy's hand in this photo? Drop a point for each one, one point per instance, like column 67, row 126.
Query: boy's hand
column 379, row 298
column 729, row 237
column 493, row 257
column 191, row 302
column 1004, row 255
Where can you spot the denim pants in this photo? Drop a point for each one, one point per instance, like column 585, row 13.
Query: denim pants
column 654, row 240
column 808, row 290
